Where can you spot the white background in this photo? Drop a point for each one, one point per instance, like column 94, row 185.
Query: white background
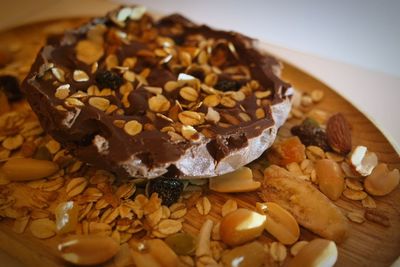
column 353, row 46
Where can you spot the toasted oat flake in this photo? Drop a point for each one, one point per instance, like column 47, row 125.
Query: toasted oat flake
column 368, row 202
column 203, row 206
column 228, row 102
column 317, row 95
column 169, row 227
column 354, row 195
column 354, row 184
column 76, row 186
column 262, row 94
column 159, row 103
column 13, row 142
column 20, row 224
column 99, row 103
column 88, row 51
column 191, row 118
column 43, row 228
column 278, row 251
column 356, row 217
column 59, row 74
column 73, row 102
column 133, row 127
column 80, row 76
column 62, row 91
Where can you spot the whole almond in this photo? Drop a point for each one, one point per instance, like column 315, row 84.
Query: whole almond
column 338, row 134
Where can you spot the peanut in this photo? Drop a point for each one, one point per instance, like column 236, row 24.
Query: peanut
column 88, row 250
column 319, row 252
column 241, row 226
column 280, row 223
column 26, row 169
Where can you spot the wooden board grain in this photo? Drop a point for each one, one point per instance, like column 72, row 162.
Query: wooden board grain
column 368, row 244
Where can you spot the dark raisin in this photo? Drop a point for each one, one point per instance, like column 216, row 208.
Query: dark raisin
column 108, row 79
column 228, row 85
column 168, row 189
column 311, row 134
column 10, row 86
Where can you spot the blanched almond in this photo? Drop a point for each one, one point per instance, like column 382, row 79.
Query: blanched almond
column 88, row 249
column 241, row 226
column 280, row 223
column 240, row 180
column 319, row 252
column 330, row 178
column 26, row 169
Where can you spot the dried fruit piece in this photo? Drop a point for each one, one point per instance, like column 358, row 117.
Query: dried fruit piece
column 338, row 134
column 240, row 180
column 363, row 160
column 249, row 255
column 66, row 217
column 287, row 151
column 26, row 169
column 241, row 226
column 330, row 178
column 311, row 134
column 382, row 181
column 280, row 223
column 108, row 79
column 168, row 189
column 181, row 243
column 88, row 249
column 318, row 252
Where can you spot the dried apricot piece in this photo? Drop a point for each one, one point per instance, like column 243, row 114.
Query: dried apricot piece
column 287, row 151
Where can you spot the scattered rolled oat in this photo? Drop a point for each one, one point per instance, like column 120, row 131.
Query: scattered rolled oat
column 203, row 206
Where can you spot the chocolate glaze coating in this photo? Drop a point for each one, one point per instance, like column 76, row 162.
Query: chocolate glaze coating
column 91, row 134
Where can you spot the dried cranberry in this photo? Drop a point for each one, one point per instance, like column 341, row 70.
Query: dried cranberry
column 311, row 134
column 10, row 86
column 168, row 189
column 109, row 79
column 228, row 85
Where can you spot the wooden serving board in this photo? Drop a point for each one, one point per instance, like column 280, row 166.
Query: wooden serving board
column 369, row 244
